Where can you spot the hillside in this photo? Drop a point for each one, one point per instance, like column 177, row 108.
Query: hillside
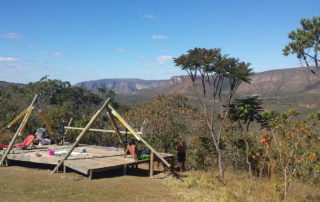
column 280, row 89
column 6, row 85
column 121, row 86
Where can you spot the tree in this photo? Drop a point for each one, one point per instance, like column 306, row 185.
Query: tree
column 164, row 121
column 212, row 68
column 245, row 111
column 293, row 143
column 305, row 42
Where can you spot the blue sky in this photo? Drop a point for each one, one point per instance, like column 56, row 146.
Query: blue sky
column 78, row 40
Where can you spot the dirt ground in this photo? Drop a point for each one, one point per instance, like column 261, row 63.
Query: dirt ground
column 24, row 183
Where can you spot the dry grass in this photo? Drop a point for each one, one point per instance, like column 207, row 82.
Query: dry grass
column 205, row 186
column 31, row 184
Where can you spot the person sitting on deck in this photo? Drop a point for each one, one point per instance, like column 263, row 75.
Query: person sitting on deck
column 132, row 149
column 181, row 153
column 41, row 136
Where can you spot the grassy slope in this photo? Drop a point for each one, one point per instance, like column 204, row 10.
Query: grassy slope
column 31, row 184
column 205, row 186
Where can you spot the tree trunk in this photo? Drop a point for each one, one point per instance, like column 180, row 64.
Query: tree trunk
column 220, row 165
column 247, row 156
column 285, row 183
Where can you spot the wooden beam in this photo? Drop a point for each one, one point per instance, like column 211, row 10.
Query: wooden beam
column 115, row 127
column 84, row 131
column 135, row 134
column 45, row 119
column 25, row 123
column 97, row 130
column 19, row 130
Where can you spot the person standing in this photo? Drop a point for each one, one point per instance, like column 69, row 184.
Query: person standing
column 181, row 153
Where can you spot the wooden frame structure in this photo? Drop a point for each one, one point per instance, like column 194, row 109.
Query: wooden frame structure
column 26, row 114
column 110, row 111
column 98, row 158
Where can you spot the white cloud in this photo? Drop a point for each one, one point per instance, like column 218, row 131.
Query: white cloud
column 57, row 54
column 164, row 50
column 163, row 59
column 151, row 65
column 142, row 58
column 159, row 37
column 32, row 46
column 11, row 35
column 148, row 16
column 8, row 59
column 120, row 50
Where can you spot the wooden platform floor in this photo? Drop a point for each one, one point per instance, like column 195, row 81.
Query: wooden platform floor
column 95, row 159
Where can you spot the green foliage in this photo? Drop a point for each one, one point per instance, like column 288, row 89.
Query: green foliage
column 294, row 144
column 245, row 110
column 164, row 121
column 212, row 69
column 305, row 42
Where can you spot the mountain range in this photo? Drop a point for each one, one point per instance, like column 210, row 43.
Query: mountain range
column 280, row 89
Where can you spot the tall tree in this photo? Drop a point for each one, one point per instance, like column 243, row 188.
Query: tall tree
column 305, row 42
column 212, row 69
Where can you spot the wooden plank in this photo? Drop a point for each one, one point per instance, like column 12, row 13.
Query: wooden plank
column 97, row 159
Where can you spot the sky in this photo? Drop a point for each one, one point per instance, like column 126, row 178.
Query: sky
column 81, row 40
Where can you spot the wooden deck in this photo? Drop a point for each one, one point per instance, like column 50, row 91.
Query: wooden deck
column 95, row 159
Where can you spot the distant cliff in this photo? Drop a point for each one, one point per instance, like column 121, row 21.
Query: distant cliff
column 122, row 86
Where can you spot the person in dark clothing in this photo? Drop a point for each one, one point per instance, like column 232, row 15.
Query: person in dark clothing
column 181, row 153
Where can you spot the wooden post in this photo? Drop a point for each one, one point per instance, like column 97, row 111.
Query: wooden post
column 66, row 130
column 81, row 134
column 19, row 130
column 115, row 127
column 151, row 164
column 173, row 165
column 64, row 168
column 136, row 135
column 125, row 169
column 90, row 174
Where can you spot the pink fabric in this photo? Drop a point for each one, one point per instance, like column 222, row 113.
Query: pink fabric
column 29, row 139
